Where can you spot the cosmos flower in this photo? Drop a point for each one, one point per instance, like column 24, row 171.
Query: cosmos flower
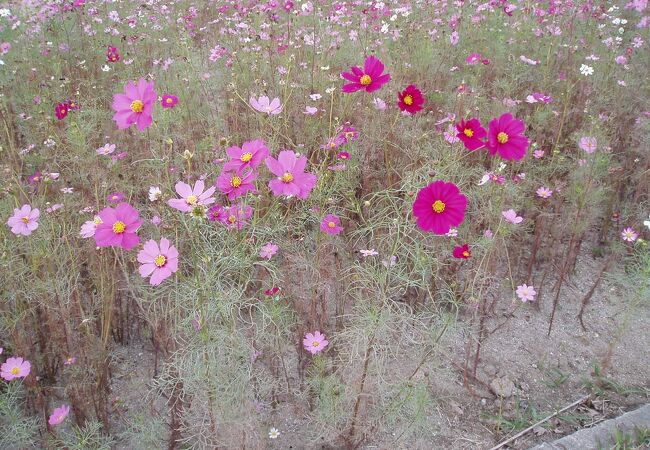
column 439, row 206
column 462, row 252
column 192, row 197
column 112, row 55
column 331, row 224
column 588, row 144
column 236, row 183
column 370, row 79
column 315, row 343
column 58, row 415
column 629, row 234
column 274, row 433
column 471, row 133
column 158, row 261
column 268, row 250
column 544, row 192
column 512, row 217
column 118, row 227
column 526, row 293
column 106, row 149
column 251, row 154
column 115, row 197
column 135, row 106
column 410, row 99
column 61, row 110
column 15, row 367
column 264, row 105
column 89, row 227
column 24, row 220
column 291, row 179
column 506, row 138
column 168, row 101
column 235, row 216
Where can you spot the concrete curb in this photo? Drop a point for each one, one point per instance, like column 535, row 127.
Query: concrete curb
column 602, row 436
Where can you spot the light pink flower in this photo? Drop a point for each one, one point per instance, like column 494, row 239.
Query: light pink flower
column 264, row 105
column 15, row 367
column 59, row 415
column 158, row 261
column 629, row 234
column 106, row 149
column 268, row 250
column 315, row 343
column 310, row 110
column 89, row 227
column 588, row 144
column 512, row 217
column 24, row 220
column 526, row 293
column 544, row 192
column 192, row 197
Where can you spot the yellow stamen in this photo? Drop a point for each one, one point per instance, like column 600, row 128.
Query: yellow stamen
column 119, row 227
column 246, row 157
column 331, row 224
column 98, row 220
column 502, row 138
column 235, row 181
column 137, row 106
column 15, row 370
column 160, row 260
column 191, row 199
column 408, row 100
column 467, row 254
column 315, row 344
column 365, row 80
column 25, row 219
column 438, row 206
column 287, row 177
column 468, row 132
column 169, row 100
column 232, row 219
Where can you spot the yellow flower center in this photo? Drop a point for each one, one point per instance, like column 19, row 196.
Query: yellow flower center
column 160, row 260
column 331, row 224
column 15, row 370
column 468, row 132
column 119, row 227
column 315, row 343
column 438, row 206
column 192, row 199
column 232, row 219
column 408, row 100
column 137, row 106
column 25, row 219
column 502, row 138
column 365, row 80
column 467, row 254
column 169, row 100
column 287, row 177
column 235, row 181
column 98, row 220
column 246, row 157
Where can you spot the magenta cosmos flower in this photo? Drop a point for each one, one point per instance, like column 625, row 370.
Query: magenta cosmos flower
column 410, row 99
column 15, row 367
column 58, row 415
column 168, row 101
column 291, row 177
column 236, row 183
column 251, row 154
column 331, row 224
column 135, row 106
column 118, row 227
column 314, row 343
column 506, row 137
column 370, row 79
column 158, row 261
column 439, row 206
column 24, row 220
column 471, row 133
column 235, row 216
column 192, row 197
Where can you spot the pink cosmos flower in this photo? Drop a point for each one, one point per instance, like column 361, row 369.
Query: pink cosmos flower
column 473, row 59
column 629, row 234
column 462, row 252
column 235, row 216
column 314, row 343
column 192, row 197
column 544, row 192
column 264, row 105
column 370, row 79
column 251, row 154
column 439, row 206
column 135, row 106
column 89, row 227
column 537, row 154
column 471, row 133
column 236, row 183
column 310, row 110
column 505, row 137
column 106, row 149
column 59, row 415
column 410, row 99
column 331, row 224
column 268, row 250
column 168, row 101
column 70, row 360
column 24, row 220
column 115, row 197
column 588, row 144
column 526, row 293
column 512, row 217
column 118, row 227
column 291, row 178
column 15, row 367
column 379, row 104
column 158, row 261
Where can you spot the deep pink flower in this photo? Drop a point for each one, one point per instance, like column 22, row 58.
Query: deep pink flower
column 410, row 99
column 315, row 343
column 112, row 55
column 118, row 227
column 506, row 137
column 192, row 197
column 35, row 178
column 251, row 154
column 235, row 216
column 291, row 177
column 15, row 367
column 135, row 106
column 24, row 220
column 369, row 79
column 236, row 183
column 61, row 110
column 331, row 224
column 462, row 252
column 471, row 133
column 439, row 206
column 169, row 101
column 58, row 415
column 158, row 261
column 115, row 197
column 473, row 58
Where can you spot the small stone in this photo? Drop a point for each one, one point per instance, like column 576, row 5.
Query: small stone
column 502, row 387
